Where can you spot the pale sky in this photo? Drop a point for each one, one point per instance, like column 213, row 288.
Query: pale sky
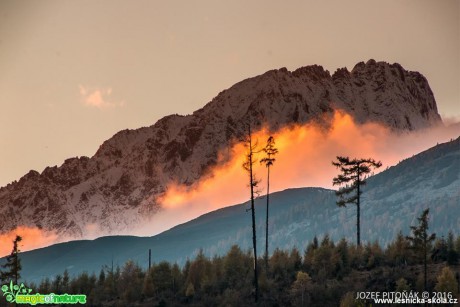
column 73, row 73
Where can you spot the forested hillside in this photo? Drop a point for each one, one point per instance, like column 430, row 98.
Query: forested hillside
column 325, row 273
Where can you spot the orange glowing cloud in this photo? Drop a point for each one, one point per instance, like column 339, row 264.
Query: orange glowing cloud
column 32, row 238
column 304, row 160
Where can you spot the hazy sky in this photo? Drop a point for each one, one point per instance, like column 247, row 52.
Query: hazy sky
column 73, row 73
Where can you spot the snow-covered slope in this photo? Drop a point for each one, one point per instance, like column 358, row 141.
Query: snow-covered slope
column 119, row 185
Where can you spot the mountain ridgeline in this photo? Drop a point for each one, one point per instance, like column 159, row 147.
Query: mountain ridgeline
column 132, row 169
column 392, row 200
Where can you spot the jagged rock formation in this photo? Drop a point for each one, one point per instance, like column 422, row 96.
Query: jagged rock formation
column 119, row 185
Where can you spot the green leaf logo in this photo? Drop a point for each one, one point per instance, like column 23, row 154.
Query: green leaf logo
column 12, row 290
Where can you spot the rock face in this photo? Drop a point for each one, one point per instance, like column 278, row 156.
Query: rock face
column 119, row 185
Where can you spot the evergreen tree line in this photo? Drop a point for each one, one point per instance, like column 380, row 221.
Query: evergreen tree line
column 327, row 272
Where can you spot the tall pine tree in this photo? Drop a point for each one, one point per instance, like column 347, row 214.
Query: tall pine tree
column 270, row 151
column 421, row 241
column 352, row 175
column 13, row 263
column 248, row 165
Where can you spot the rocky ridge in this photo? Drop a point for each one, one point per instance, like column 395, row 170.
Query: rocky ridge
column 119, row 185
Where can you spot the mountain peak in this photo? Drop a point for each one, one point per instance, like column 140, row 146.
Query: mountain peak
column 134, row 167
column 314, row 72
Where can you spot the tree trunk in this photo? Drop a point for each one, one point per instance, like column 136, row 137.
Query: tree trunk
column 424, row 265
column 358, row 212
column 266, row 221
column 254, row 242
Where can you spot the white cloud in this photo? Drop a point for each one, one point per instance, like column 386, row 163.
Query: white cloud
column 98, row 98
